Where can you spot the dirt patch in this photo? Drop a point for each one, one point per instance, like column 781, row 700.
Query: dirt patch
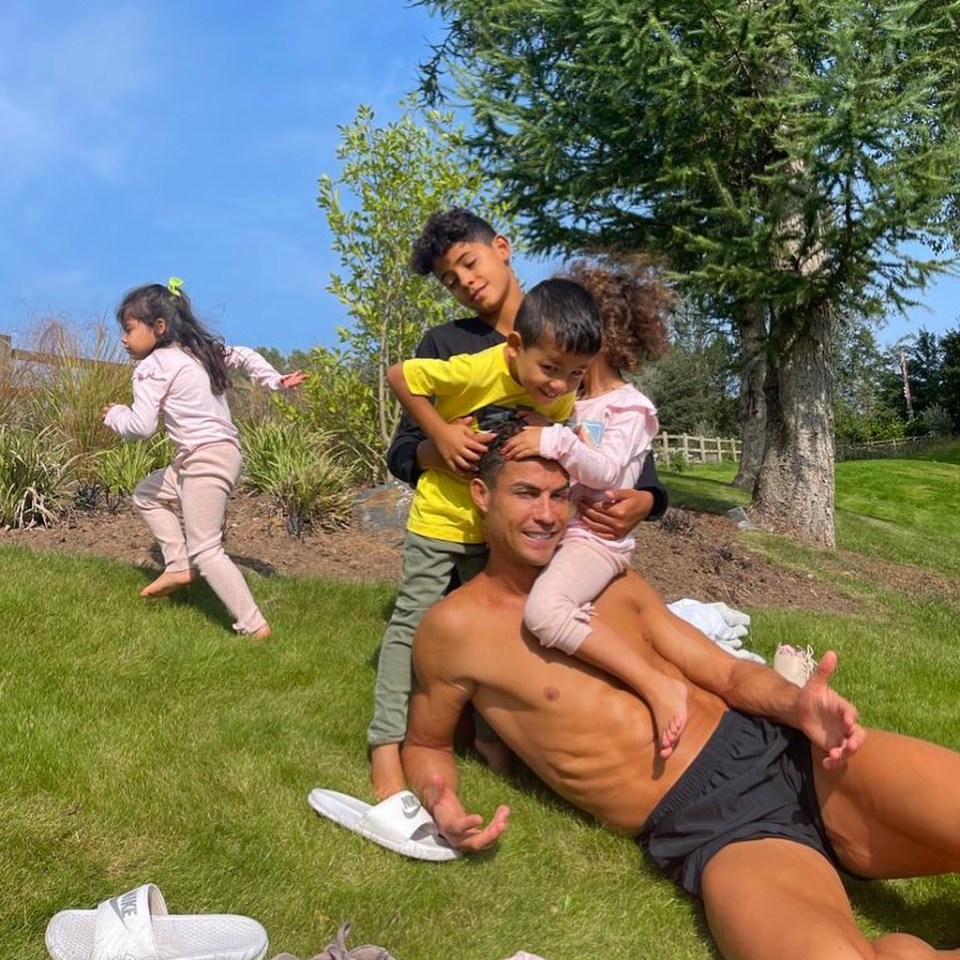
column 687, row 554
column 255, row 536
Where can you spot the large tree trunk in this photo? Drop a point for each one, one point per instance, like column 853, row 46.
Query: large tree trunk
column 753, row 409
column 794, row 490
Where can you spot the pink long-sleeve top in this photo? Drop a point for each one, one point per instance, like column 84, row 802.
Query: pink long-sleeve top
column 173, row 385
column 603, row 448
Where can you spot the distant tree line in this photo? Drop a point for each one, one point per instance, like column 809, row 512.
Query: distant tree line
column 909, row 388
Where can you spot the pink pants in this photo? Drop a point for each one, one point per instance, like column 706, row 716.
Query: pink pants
column 199, row 480
column 560, row 605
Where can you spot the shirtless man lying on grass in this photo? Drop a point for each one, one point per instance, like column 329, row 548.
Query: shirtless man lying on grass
column 772, row 792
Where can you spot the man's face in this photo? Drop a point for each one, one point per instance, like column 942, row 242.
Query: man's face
column 526, row 510
column 477, row 274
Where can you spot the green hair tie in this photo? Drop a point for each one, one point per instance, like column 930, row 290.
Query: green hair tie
column 173, row 285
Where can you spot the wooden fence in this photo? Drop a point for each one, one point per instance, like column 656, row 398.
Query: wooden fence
column 9, row 356
column 879, row 449
column 695, row 449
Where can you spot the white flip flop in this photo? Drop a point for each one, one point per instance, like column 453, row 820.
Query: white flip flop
column 398, row 823
column 136, row 926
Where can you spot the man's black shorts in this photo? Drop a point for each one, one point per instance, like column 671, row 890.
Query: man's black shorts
column 752, row 779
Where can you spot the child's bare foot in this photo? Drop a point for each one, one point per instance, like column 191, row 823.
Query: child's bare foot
column 386, row 772
column 168, row 582
column 668, row 701
column 497, row 755
column 264, row 633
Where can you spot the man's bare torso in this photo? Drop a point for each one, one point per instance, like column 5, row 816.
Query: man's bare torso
column 584, row 734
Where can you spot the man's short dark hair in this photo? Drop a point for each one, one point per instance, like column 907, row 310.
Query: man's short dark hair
column 563, row 311
column 492, row 462
column 442, row 231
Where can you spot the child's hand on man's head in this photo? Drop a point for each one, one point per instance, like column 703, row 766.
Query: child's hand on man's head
column 524, row 444
column 291, row 380
column 460, row 448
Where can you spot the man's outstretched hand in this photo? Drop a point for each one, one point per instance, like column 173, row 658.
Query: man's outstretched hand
column 826, row 718
column 465, row 831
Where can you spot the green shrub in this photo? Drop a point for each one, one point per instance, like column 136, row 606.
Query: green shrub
column 852, row 427
column 937, row 421
column 120, row 468
column 36, row 477
column 341, row 402
column 674, row 460
column 299, row 468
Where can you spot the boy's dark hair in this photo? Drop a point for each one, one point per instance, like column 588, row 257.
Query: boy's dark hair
column 442, row 231
column 563, row 311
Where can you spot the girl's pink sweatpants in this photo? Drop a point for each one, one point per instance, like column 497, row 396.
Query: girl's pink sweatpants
column 200, row 480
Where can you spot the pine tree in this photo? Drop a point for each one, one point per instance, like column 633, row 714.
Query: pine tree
column 780, row 155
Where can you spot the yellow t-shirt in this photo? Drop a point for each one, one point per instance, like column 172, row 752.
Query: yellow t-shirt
column 442, row 507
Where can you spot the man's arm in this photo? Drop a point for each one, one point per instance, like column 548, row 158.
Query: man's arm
column 829, row 720
column 427, row 753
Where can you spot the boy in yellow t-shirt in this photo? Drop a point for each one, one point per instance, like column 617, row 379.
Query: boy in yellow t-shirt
column 556, row 334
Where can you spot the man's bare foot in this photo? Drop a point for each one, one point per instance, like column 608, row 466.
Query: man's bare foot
column 386, row 772
column 668, row 702
column 497, row 755
column 168, row 583
column 264, row 633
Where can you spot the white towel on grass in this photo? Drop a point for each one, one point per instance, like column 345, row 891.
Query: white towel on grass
column 725, row 626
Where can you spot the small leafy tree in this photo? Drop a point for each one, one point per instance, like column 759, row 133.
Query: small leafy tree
column 694, row 385
column 936, row 421
column 394, row 177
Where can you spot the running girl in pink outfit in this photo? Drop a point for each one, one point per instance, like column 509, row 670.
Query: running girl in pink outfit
column 182, row 378
column 603, row 449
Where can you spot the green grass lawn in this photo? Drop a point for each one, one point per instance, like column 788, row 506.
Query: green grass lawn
column 904, row 510
column 146, row 742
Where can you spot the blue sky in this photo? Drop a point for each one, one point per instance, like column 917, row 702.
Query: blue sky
column 144, row 139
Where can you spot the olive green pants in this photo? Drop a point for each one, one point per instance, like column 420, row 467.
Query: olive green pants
column 428, row 565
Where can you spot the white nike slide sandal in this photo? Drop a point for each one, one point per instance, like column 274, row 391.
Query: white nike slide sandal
column 398, row 823
column 136, row 926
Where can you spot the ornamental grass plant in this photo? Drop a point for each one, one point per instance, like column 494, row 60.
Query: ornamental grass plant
column 37, row 477
column 121, row 467
column 298, row 467
column 85, row 372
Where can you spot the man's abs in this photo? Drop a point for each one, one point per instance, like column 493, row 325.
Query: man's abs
column 592, row 740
